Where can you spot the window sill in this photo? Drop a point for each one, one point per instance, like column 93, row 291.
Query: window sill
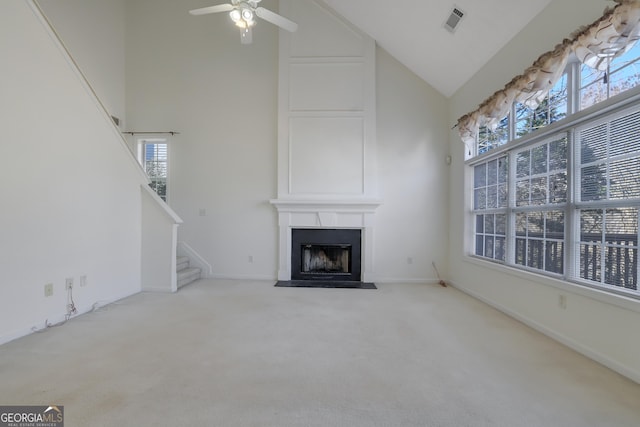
column 622, row 301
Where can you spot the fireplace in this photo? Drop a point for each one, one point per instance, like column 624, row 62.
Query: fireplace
column 326, row 254
column 297, row 215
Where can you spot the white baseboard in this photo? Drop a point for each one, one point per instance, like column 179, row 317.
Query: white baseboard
column 398, row 280
column 385, row 280
column 257, row 277
column 563, row 339
column 158, row 290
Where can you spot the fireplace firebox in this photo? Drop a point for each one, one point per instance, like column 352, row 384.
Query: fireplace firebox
column 326, row 254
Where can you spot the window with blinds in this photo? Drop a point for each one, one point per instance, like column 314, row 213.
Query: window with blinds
column 609, row 197
column 153, row 154
column 540, row 194
column 556, row 182
column 490, row 204
column 566, row 204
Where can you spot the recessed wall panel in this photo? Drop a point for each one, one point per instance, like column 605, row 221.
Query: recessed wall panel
column 326, row 155
column 326, row 86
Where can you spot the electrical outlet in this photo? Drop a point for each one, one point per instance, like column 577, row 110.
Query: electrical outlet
column 409, row 260
column 83, row 281
column 250, row 259
column 48, row 289
column 68, row 284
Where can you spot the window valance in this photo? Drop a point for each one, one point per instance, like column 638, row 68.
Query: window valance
column 594, row 45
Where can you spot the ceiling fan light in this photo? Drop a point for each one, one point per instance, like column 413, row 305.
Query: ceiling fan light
column 235, row 15
column 247, row 15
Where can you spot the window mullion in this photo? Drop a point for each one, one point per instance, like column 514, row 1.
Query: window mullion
column 638, row 240
column 608, row 161
column 572, row 225
column 608, row 79
column 573, row 88
column 603, row 248
column 511, row 220
column 512, row 122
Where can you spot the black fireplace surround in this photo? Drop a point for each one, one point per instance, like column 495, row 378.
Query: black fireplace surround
column 326, row 254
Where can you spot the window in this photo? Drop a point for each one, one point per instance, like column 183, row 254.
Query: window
column 592, row 87
column 566, row 204
column 609, row 179
column 552, row 108
column 540, row 195
column 488, row 139
column 153, row 156
column 556, row 184
column 490, row 205
column 621, row 74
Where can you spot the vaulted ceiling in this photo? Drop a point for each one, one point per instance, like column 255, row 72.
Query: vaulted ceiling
column 413, row 32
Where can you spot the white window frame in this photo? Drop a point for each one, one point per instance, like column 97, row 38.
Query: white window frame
column 574, row 88
column 619, row 104
column 141, row 143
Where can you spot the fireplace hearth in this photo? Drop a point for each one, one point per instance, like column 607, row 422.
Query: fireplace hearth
column 326, row 254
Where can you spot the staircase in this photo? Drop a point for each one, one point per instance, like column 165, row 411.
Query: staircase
column 186, row 273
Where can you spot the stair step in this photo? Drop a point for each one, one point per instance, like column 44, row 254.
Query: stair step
column 182, row 262
column 188, row 275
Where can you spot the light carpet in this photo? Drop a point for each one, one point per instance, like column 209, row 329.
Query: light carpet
column 237, row 353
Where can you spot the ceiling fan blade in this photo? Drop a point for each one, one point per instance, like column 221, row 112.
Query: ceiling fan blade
column 212, row 9
column 246, row 36
column 276, row 19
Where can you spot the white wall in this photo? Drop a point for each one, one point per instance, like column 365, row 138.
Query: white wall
column 69, row 189
column 191, row 75
column 602, row 327
column 412, row 147
column 159, row 244
column 94, row 32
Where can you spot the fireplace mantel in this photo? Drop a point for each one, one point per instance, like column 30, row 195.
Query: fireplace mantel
column 326, row 204
column 326, row 213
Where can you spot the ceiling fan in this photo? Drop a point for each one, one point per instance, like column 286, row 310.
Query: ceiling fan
column 243, row 13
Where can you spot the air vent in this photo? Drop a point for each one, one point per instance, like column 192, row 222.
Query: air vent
column 454, row 19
